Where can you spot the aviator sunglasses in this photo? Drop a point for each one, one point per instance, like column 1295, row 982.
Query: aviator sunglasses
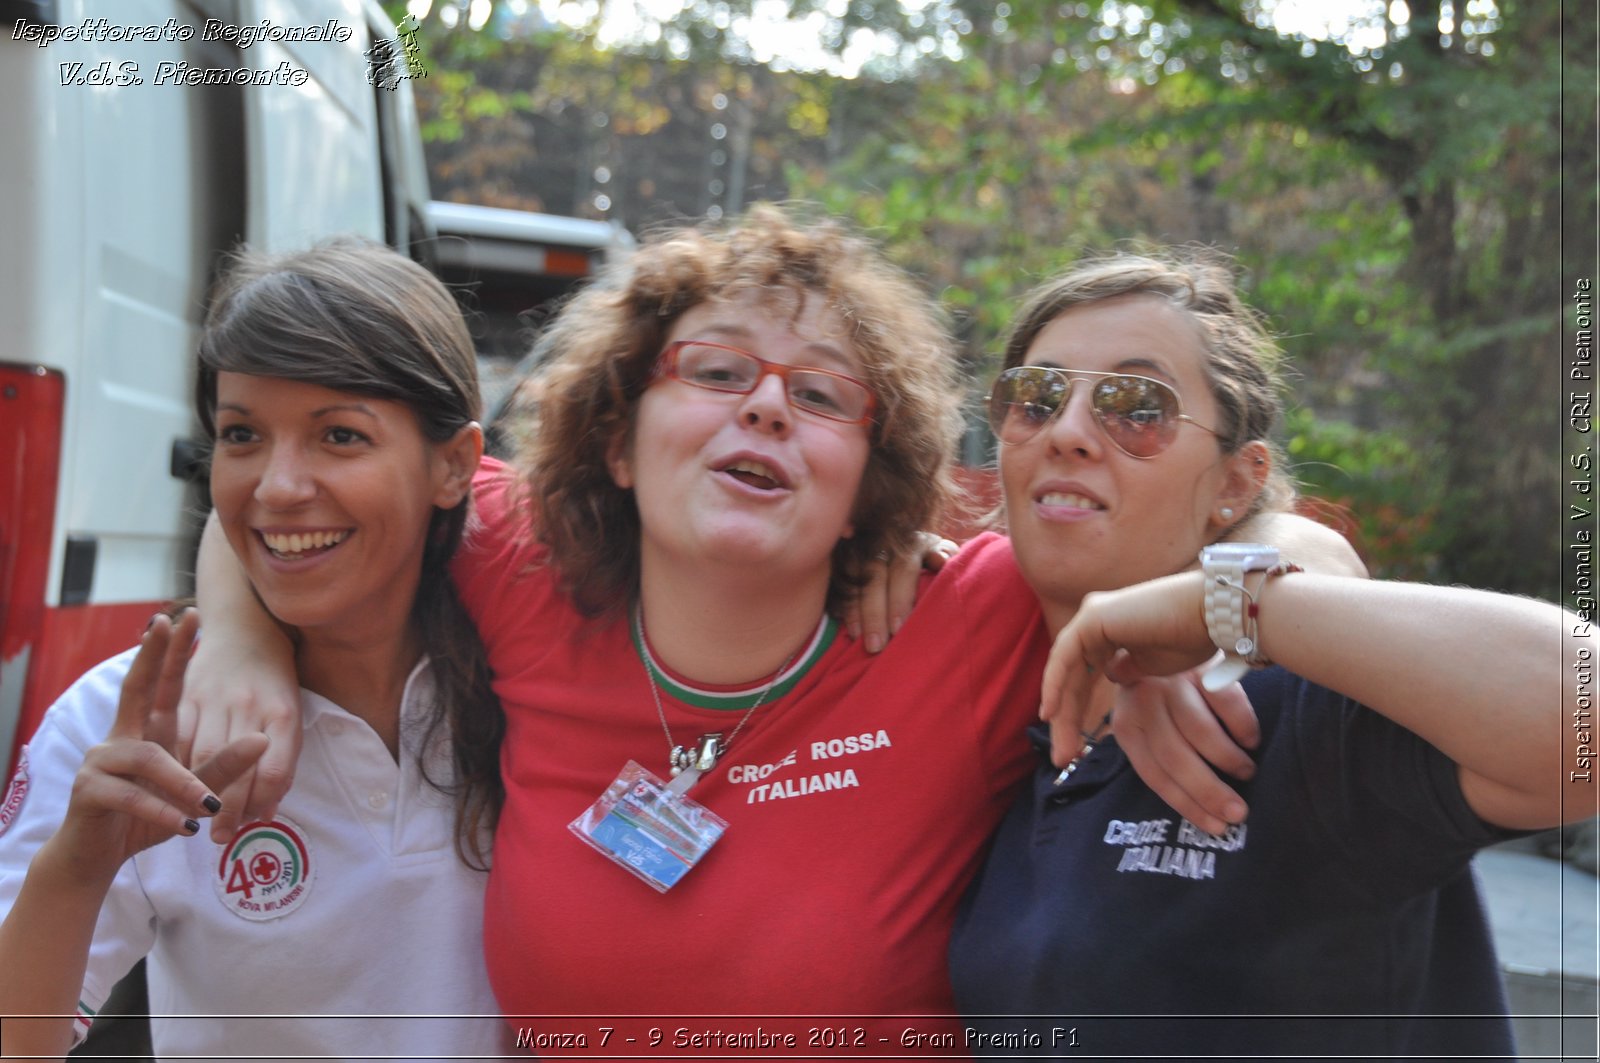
column 717, row 367
column 1138, row 414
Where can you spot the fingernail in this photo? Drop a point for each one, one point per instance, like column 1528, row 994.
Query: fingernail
column 874, row 642
column 191, row 826
column 211, row 804
column 894, row 624
column 853, row 630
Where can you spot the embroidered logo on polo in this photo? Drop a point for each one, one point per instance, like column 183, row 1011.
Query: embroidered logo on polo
column 265, row 872
column 1153, row 847
column 15, row 793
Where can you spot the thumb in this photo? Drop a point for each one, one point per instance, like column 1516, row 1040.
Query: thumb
column 1121, row 670
column 232, row 761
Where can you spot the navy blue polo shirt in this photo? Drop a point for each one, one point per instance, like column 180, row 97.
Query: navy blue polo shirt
column 1342, row 917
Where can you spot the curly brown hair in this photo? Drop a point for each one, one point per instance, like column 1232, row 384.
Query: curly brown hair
column 601, row 349
column 1241, row 356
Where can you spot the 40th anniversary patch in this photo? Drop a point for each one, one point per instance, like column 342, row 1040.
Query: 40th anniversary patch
column 265, row 872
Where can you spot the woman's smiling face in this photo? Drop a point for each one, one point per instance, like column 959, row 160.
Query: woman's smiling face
column 326, row 498
column 747, row 480
column 1085, row 516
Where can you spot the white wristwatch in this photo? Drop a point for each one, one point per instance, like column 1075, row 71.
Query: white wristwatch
column 1227, row 604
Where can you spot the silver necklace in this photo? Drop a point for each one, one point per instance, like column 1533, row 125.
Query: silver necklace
column 702, row 757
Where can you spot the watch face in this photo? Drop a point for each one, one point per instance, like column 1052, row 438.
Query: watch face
column 1252, row 556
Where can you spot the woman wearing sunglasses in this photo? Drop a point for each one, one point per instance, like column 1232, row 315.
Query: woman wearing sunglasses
column 1404, row 728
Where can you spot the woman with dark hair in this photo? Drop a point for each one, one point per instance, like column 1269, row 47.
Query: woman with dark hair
column 339, row 388
column 1404, row 727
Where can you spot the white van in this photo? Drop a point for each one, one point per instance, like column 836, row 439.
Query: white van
column 139, row 140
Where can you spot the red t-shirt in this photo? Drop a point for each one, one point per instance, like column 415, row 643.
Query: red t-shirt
column 858, row 803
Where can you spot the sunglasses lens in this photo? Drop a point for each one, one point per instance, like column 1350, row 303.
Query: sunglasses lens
column 1139, row 414
column 1023, row 399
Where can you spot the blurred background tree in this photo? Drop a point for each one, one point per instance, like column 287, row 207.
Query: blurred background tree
column 1399, row 182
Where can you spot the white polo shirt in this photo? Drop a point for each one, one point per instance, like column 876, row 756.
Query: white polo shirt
column 346, row 927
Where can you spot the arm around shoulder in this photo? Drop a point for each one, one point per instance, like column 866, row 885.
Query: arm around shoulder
column 241, row 681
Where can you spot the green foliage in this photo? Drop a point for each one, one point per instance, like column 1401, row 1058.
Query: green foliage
column 1395, row 201
column 1377, row 482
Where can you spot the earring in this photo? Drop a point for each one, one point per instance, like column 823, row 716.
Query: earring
column 1226, row 512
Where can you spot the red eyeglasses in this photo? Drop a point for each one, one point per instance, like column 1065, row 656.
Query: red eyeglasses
column 717, row 367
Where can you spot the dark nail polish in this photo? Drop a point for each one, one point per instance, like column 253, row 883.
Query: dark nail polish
column 211, row 804
column 191, row 826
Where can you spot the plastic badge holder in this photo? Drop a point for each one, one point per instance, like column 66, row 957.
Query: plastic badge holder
column 649, row 828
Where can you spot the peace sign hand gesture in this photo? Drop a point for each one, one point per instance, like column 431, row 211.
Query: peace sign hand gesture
column 131, row 792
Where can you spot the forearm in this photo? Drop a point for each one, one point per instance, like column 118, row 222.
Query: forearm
column 44, row 951
column 241, row 680
column 229, row 604
column 1312, row 546
column 1476, row 674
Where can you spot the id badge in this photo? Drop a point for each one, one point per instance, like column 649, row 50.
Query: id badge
column 649, row 828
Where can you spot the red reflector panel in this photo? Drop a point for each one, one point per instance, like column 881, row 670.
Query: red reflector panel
column 31, row 403
column 558, row 263
column 31, row 409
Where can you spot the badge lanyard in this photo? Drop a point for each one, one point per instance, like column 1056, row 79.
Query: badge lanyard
column 651, row 828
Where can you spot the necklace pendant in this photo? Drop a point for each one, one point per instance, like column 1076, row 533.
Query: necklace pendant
column 710, row 750
column 702, row 758
column 681, row 760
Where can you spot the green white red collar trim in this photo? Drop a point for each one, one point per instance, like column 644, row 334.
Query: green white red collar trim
column 705, row 697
